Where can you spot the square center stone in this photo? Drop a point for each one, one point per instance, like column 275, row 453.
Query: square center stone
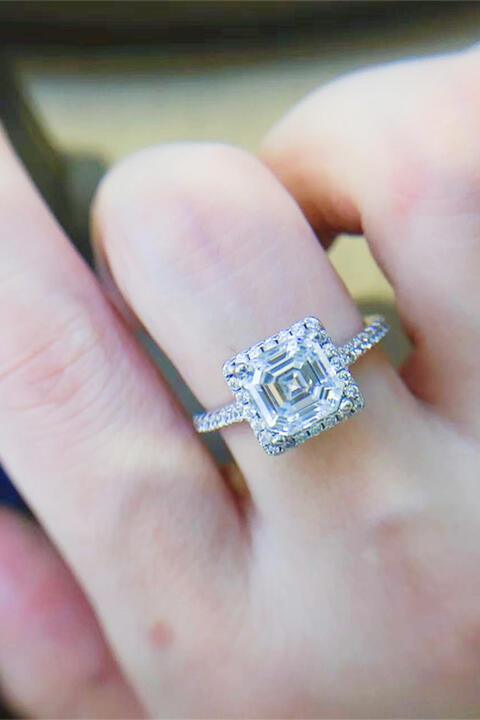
column 294, row 386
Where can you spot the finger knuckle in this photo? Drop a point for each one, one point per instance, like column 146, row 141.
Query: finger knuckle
column 434, row 150
column 187, row 200
column 425, row 588
column 51, row 361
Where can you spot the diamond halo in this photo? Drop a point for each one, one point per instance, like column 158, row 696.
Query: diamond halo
column 293, row 385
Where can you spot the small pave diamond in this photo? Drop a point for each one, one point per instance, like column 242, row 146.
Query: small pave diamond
column 375, row 331
column 293, row 385
column 218, row 419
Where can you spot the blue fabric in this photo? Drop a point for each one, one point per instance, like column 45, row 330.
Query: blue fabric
column 8, row 495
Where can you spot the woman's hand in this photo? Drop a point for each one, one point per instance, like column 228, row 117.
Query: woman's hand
column 346, row 583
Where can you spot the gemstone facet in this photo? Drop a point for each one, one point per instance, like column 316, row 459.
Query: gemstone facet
column 293, row 387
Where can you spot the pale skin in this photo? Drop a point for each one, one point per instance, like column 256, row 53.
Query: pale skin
column 345, row 582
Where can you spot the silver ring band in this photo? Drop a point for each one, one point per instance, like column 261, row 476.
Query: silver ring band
column 374, row 331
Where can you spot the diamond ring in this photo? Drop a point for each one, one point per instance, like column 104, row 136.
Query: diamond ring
column 293, row 385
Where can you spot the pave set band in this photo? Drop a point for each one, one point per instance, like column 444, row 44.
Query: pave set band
column 293, row 385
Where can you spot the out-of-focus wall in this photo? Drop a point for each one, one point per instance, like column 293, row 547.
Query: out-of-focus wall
column 116, row 99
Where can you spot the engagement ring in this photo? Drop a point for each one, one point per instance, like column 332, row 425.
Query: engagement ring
column 293, row 385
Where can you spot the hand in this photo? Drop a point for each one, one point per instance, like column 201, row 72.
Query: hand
column 346, row 582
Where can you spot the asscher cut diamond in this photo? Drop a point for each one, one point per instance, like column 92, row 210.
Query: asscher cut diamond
column 294, row 386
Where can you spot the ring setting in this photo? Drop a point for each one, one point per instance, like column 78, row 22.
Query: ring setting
column 293, row 385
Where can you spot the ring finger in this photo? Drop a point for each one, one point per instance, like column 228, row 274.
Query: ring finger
column 212, row 254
